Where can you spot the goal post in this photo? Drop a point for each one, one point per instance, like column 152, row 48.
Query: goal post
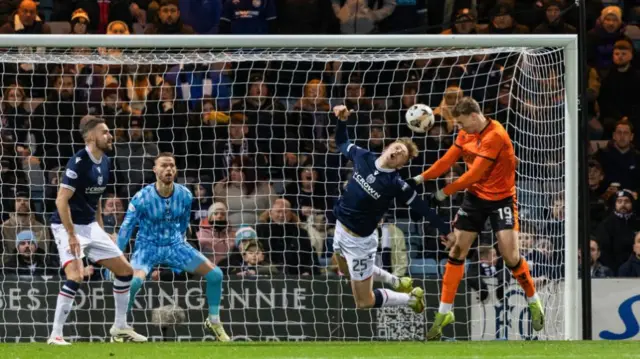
column 535, row 66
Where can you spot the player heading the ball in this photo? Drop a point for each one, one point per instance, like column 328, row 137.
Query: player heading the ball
column 78, row 231
column 161, row 211
column 490, row 193
column 366, row 199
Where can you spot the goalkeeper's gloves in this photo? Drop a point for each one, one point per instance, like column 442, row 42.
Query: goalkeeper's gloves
column 414, row 182
column 437, row 197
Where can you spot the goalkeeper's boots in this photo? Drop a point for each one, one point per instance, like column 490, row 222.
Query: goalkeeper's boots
column 126, row 334
column 218, row 330
column 537, row 315
column 417, row 300
column 57, row 341
column 405, row 285
column 440, row 321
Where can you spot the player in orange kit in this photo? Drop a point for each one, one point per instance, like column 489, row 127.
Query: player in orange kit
column 490, row 193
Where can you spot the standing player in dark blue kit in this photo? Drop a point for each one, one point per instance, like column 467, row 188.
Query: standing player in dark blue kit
column 367, row 197
column 78, row 231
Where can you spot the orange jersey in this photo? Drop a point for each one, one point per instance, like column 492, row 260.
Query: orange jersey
column 491, row 163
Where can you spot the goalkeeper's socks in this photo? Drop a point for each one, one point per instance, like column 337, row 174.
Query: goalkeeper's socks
column 522, row 274
column 453, row 273
column 381, row 275
column 121, row 286
column 214, row 292
column 389, row 298
column 63, row 306
column 136, row 284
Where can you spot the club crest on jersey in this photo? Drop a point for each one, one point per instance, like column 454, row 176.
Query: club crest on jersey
column 71, row 174
column 371, row 179
column 99, row 180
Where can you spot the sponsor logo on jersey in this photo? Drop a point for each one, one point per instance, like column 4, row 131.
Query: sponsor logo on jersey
column 371, row 179
column 94, row 190
column 461, row 212
column 365, row 186
column 71, row 174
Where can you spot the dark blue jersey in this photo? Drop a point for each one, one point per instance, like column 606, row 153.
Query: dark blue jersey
column 371, row 190
column 249, row 16
column 87, row 177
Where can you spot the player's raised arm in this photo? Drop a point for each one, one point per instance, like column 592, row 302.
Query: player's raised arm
column 409, row 196
column 440, row 167
column 490, row 147
column 347, row 148
column 131, row 219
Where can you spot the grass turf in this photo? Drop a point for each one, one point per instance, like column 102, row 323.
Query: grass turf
column 302, row 350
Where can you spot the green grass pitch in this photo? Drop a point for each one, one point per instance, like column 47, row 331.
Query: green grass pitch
column 329, row 350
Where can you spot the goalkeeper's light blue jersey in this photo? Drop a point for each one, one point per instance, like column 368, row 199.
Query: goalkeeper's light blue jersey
column 162, row 221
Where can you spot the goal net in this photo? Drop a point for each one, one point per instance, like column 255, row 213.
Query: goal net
column 249, row 123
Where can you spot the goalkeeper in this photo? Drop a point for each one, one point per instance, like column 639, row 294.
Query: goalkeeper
column 162, row 211
column 367, row 197
column 488, row 152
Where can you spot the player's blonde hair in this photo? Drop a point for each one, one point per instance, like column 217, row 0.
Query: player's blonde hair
column 411, row 146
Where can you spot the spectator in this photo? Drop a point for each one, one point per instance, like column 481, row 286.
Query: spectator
column 110, row 108
column 502, row 22
column 599, row 194
column 307, row 194
column 444, row 110
column 377, row 137
column 232, row 263
column 553, row 21
column 597, row 269
column 202, row 15
column 244, row 195
column 195, row 83
column 298, row 17
column 26, row 21
column 618, row 89
column 601, row 39
column 488, row 259
column 631, row 268
column 309, row 117
column 14, row 118
column 60, row 104
column 215, row 235
column 102, row 13
column 201, row 205
column 408, row 17
column 253, row 261
column 358, row 17
column 23, row 219
column 616, row 232
column 169, row 21
column 113, row 211
column 620, row 160
column 114, row 28
column 238, row 144
column 392, row 249
column 79, row 22
column 26, row 258
column 244, row 17
column 286, row 243
column 319, row 231
column 465, row 23
column 134, row 158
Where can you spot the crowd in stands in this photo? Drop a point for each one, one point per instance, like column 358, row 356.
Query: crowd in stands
column 254, row 140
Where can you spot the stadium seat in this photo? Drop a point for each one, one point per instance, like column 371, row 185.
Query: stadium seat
column 423, row 267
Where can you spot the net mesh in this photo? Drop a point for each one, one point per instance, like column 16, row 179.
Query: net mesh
column 250, row 126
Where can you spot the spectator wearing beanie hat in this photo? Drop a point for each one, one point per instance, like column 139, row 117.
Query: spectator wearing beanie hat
column 464, row 23
column 602, row 38
column 553, row 20
column 503, row 22
column 616, row 232
column 79, row 22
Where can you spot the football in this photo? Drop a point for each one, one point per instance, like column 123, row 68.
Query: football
column 419, row 118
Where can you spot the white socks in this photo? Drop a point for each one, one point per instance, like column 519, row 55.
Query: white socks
column 63, row 306
column 121, row 287
column 393, row 299
column 381, row 275
column 533, row 298
column 445, row 308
